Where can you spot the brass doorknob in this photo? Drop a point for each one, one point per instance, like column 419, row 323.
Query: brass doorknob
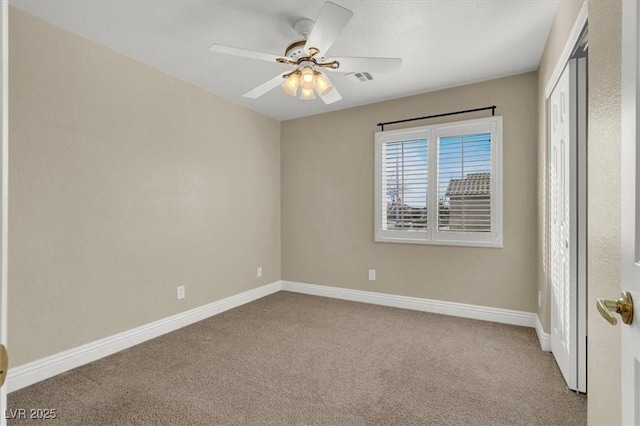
column 623, row 306
column 4, row 363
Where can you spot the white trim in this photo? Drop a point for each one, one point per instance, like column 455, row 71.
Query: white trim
column 581, row 223
column 4, row 190
column 629, row 208
column 543, row 338
column 504, row 316
column 572, row 40
column 33, row 372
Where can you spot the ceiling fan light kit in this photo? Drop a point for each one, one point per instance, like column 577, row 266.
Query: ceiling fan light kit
column 308, row 80
column 301, row 55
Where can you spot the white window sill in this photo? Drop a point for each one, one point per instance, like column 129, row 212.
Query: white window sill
column 485, row 244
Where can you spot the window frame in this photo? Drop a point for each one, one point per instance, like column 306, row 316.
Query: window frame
column 433, row 133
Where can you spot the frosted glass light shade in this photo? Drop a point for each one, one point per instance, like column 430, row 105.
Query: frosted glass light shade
column 307, row 78
column 290, row 85
column 307, row 94
column 322, row 85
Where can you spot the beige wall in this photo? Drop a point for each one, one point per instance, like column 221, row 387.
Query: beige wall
column 125, row 183
column 605, row 22
column 562, row 24
column 327, row 204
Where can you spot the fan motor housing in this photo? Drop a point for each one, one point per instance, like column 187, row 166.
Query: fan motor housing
column 296, row 50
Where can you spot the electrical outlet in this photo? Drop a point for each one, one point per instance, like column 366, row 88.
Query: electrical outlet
column 372, row 274
column 539, row 299
column 259, row 271
column 180, row 292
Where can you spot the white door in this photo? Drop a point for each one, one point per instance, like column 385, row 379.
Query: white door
column 630, row 226
column 4, row 113
column 563, row 282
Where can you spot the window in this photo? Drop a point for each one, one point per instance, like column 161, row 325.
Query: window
column 440, row 184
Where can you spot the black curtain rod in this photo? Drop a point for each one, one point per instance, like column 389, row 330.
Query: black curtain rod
column 492, row 108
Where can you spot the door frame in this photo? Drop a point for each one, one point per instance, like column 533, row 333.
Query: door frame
column 578, row 155
column 630, row 179
column 4, row 175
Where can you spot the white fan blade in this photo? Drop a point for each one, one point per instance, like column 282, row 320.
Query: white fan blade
column 332, row 95
column 228, row 50
column 265, row 87
column 328, row 26
column 378, row 65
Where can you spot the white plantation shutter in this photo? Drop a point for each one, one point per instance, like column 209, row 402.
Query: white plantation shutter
column 464, row 183
column 463, row 163
column 405, row 184
column 469, row 176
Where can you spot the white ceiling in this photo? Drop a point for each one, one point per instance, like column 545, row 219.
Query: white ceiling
column 442, row 43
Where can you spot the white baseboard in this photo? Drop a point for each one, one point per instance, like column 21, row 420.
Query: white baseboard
column 544, row 338
column 36, row 371
column 484, row 313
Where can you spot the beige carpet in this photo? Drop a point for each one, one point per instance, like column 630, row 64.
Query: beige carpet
column 297, row 359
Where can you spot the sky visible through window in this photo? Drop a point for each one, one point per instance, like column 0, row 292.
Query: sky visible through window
column 406, row 166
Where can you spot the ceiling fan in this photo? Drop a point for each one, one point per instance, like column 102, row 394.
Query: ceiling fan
column 309, row 58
